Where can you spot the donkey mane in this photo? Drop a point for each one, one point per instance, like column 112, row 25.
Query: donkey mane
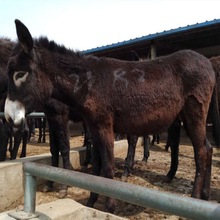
column 54, row 47
column 68, row 58
column 6, row 43
column 6, row 46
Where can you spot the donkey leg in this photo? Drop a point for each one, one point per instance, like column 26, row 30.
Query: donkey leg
column 4, row 137
column 174, row 140
column 146, row 148
column 207, row 181
column 129, row 160
column 24, row 140
column 195, row 124
column 158, row 138
column 40, row 130
column 104, row 147
column 17, row 140
column 96, row 169
column 167, row 146
column 44, row 123
column 10, row 139
column 88, row 144
column 153, row 139
column 201, row 169
column 88, row 156
column 60, row 143
column 65, row 154
column 54, row 150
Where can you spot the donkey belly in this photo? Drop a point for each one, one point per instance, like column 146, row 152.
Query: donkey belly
column 146, row 122
column 141, row 127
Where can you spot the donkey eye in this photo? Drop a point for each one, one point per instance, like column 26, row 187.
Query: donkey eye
column 20, row 77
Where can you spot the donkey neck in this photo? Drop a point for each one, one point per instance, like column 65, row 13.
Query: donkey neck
column 67, row 74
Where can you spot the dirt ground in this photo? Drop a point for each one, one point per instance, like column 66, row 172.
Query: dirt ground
column 150, row 174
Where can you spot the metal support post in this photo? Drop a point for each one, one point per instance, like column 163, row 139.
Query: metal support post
column 29, row 199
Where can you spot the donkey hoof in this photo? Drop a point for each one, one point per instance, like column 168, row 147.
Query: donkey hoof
column 62, row 194
column 47, row 188
column 168, row 179
column 145, row 159
column 124, row 178
column 110, row 205
column 84, row 169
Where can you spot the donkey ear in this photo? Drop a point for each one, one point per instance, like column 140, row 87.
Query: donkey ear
column 24, row 36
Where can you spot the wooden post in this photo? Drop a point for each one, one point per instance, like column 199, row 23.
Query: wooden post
column 152, row 52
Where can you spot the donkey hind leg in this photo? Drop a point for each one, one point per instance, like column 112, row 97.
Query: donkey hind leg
column 146, row 148
column 195, row 125
column 39, row 122
column 206, row 185
column 103, row 160
column 203, row 157
column 129, row 160
column 88, row 144
column 44, row 123
column 174, row 140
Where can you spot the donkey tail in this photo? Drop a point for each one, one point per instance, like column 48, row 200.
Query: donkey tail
column 214, row 109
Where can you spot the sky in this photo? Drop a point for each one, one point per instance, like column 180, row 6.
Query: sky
column 86, row 24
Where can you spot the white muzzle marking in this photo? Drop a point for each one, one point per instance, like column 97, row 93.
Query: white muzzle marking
column 14, row 110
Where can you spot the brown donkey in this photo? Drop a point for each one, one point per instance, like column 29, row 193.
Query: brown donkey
column 114, row 95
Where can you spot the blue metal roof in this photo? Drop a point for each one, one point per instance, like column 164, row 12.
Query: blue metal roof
column 153, row 36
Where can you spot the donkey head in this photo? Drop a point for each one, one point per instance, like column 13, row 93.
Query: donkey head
column 24, row 78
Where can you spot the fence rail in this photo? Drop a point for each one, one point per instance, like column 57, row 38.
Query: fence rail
column 163, row 201
column 31, row 115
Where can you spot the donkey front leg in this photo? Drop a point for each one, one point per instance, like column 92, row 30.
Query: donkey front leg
column 103, row 162
column 59, row 142
column 24, row 140
column 54, row 150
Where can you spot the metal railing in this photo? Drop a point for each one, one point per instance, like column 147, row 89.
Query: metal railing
column 31, row 115
column 142, row 196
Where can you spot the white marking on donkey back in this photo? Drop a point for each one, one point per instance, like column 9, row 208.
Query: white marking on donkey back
column 142, row 76
column 90, row 79
column 119, row 76
column 14, row 110
column 20, row 77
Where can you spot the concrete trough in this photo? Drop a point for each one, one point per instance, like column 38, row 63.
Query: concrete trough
column 67, row 209
column 11, row 182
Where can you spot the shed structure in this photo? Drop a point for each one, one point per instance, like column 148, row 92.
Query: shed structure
column 201, row 37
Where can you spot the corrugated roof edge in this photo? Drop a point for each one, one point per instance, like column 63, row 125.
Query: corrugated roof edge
column 152, row 36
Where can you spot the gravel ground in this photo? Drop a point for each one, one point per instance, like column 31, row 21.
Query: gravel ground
column 150, row 175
